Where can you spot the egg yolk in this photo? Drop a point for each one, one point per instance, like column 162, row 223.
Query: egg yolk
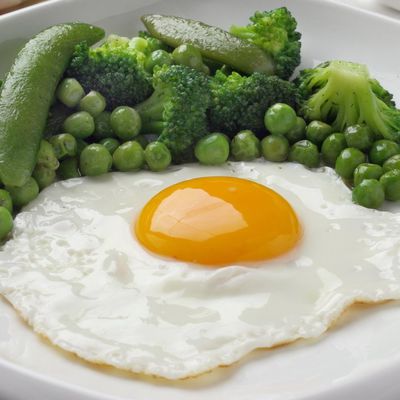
column 218, row 221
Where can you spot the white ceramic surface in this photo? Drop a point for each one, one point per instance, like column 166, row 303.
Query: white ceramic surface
column 358, row 359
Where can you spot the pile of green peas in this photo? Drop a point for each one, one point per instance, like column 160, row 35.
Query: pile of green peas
column 370, row 165
column 92, row 142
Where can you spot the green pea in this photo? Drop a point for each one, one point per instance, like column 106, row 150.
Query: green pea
column 22, row 195
column 94, row 103
column 318, row 131
column 69, row 168
column 70, row 92
column 44, row 176
column 391, row 184
column 245, row 146
column 280, row 118
column 212, row 149
column 125, row 122
column 382, row 150
column 46, row 156
column 6, row 223
column 306, row 153
column 158, row 58
column 157, row 156
column 5, row 200
column 369, row 193
column 359, row 136
column 139, row 44
column 80, row 145
column 64, row 145
column 103, row 128
column 367, row 171
column 392, row 163
column 275, row 148
column 347, row 162
column 298, row 132
column 332, row 146
column 80, row 125
column 187, row 54
column 95, row 160
column 129, row 156
column 111, row 144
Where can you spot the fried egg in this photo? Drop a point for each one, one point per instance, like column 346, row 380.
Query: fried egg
column 177, row 273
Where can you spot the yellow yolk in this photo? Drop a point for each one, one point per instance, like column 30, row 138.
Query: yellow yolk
column 218, row 221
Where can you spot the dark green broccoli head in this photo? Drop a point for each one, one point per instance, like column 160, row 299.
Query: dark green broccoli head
column 114, row 70
column 240, row 102
column 177, row 110
column 275, row 32
column 342, row 93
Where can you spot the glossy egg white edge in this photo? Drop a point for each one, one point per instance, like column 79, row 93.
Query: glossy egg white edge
column 76, row 274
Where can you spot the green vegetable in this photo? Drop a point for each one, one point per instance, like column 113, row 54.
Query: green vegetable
column 275, row 148
column 382, row 150
column 46, row 156
column 125, row 122
column 214, row 43
column 57, row 115
column 332, row 146
column 391, row 184
column 64, row 145
column 138, row 43
column 95, row 160
column 102, row 125
column 343, row 94
column 142, row 140
column 22, row 195
column 70, row 92
column 158, row 58
column 280, row 119
column 80, row 125
column 359, row 136
column 369, row 193
column 177, row 110
column 275, row 32
column 80, row 145
column 240, row 102
column 5, row 200
column 94, row 103
column 111, row 144
column 347, row 162
column 366, row 171
column 187, row 54
column 392, row 163
column 157, row 156
column 29, row 88
column 69, row 168
column 129, row 156
column 245, row 146
column 115, row 70
column 44, row 176
column 212, row 149
column 298, row 132
column 6, row 223
column 306, row 153
column 317, row 132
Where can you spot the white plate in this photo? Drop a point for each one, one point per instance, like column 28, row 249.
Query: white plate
column 358, row 359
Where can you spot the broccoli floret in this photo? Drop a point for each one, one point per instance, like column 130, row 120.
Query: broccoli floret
column 113, row 69
column 177, row 110
column 275, row 32
column 239, row 102
column 342, row 93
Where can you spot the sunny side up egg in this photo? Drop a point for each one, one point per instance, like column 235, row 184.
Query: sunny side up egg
column 78, row 273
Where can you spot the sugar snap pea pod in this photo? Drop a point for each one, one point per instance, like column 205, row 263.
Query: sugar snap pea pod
column 27, row 94
column 214, row 43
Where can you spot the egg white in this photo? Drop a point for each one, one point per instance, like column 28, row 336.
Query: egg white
column 76, row 273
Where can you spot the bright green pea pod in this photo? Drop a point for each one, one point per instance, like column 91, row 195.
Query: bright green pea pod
column 28, row 92
column 214, row 43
